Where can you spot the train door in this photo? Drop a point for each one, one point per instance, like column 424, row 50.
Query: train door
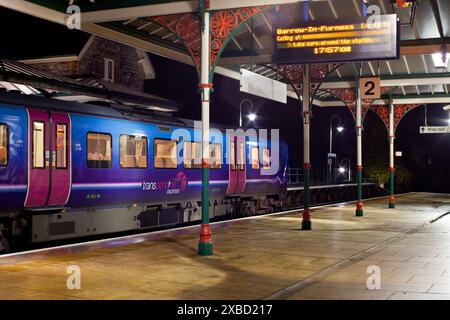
column 237, row 168
column 49, row 159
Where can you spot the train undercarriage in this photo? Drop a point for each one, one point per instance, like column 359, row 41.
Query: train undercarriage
column 58, row 224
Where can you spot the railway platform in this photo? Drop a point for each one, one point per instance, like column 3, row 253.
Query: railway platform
column 265, row 257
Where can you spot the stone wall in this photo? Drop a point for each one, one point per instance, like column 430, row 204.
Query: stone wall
column 65, row 69
column 128, row 71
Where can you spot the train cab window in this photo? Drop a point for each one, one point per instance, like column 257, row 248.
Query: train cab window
column 192, row 155
column 133, row 152
column 241, row 159
column 215, row 158
column 266, row 158
column 232, row 156
column 255, row 158
column 38, row 145
column 165, row 154
column 3, row 145
column 61, row 146
column 99, row 150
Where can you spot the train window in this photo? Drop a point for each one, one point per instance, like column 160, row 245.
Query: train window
column 61, row 146
column 99, row 150
column 266, row 158
column 232, row 156
column 3, row 145
column 165, row 152
column 38, row 145
column 133, row 152
column 241, row 159
column 192, row 155
column 215, row 159
column 255, row 158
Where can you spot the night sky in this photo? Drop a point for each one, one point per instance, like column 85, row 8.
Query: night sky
column 425, row 157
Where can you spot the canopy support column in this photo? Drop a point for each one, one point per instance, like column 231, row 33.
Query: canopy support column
column 205, row 245
column 359, row 167
column 306, row 222
column 391, row 154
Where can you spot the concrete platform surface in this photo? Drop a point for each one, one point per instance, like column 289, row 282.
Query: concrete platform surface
column 263, row 257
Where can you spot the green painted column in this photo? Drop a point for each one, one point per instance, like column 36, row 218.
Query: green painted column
column 359, row 128
column 306, row 219
column 205, row 245
column 391, row 155
column 359, row 203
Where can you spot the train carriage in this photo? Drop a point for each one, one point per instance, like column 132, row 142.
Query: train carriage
column 66, row 174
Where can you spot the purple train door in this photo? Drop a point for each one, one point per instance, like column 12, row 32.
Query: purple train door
column 237, row 168
column 60, row 176
column 48, row 159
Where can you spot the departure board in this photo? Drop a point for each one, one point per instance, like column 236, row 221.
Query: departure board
column 355, row 39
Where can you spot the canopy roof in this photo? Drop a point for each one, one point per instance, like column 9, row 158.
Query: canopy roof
column 19, row 77
column 129, row 22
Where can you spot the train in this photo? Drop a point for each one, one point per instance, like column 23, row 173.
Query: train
column 72, row 170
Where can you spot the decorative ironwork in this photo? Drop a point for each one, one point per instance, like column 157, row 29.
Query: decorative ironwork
column 294, row 74
column 187, row 27
column 400, row 111
column 348, row 97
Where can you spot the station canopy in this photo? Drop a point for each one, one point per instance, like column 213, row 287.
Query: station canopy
column 425, row 30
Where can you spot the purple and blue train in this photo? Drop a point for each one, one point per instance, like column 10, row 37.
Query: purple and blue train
column 72, row 170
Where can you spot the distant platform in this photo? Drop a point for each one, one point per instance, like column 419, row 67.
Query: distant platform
column 256, row 258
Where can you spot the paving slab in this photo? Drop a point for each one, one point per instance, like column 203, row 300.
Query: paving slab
column 257, row 258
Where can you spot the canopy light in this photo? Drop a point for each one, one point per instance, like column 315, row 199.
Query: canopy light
column 252, row 117
column 440, row 59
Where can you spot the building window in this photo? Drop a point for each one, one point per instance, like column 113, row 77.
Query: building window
column 255, row 158
column 38, row 145
column 133, row 152
column 215, row 158
column 61, row 146
column 165, row 154
column 99, row 153
column 266, row 159
column 109, row 70
column 192, row 155
column 4, row 145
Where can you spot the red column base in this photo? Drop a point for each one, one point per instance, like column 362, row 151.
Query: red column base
column 306, row 222
column 205, row 245
column 359, row 209
column 391, row 202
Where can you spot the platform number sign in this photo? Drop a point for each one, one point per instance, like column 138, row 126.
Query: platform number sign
column 370, row 88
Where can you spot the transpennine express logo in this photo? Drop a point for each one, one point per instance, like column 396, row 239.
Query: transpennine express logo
column 175, row 186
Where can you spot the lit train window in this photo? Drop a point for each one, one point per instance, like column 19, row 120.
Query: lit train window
column 232, row 156
column 266, row 158
column 3, row 145
column 99, row 150
column 192, row 155
column 165, row 153
column 61, row 146
column 215, row 158
column 133, row 152
column 255, row 158
column 38, row 145
column 241, row 159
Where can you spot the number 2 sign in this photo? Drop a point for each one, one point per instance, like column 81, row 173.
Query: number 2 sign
column 370, row 88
